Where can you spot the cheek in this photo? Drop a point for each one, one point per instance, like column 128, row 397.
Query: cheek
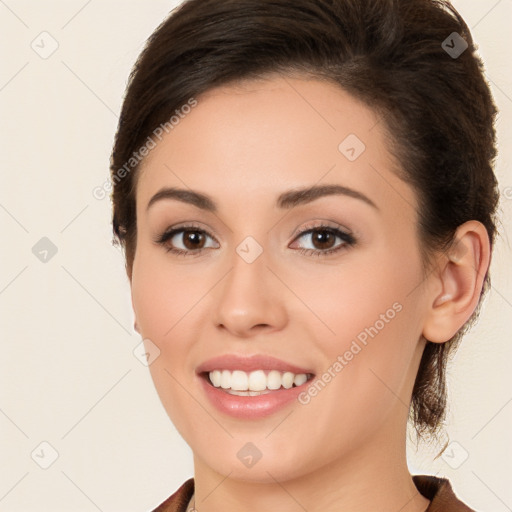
column 162, row 294
column 374, row 325
column 163, row 299
column 364, row 290
column 167, row 305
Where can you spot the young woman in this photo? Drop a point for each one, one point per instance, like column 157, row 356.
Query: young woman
column 305, row 194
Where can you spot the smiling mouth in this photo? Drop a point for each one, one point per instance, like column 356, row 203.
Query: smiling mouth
column 255, row 383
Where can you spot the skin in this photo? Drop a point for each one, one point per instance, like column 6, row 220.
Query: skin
column 243, row 145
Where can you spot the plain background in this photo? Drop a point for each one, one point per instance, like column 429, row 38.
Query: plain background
column 68, row 373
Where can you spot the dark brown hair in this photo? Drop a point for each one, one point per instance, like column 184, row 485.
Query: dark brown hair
column 436, row 106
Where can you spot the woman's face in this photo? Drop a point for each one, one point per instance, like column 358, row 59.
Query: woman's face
column 347, row 306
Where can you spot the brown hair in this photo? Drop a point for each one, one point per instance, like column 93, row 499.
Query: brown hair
column 436, row 106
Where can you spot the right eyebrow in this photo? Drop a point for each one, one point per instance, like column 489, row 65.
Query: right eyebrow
column 187, row 196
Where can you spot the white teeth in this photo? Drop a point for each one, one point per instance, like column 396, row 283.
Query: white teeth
column 225, row 380
column 215, row 378
column 256, row 381
column 300, row 379
column 239, row 381
column 274, row 379
column 288, row 380
column 247, row 393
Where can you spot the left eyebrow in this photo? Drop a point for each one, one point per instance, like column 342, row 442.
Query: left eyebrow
column 300, row 196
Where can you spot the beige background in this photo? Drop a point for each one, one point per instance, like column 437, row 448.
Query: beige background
column 68, row 375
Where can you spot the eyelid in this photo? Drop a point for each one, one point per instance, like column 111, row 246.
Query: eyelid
column 321, row 223
column 188, row 226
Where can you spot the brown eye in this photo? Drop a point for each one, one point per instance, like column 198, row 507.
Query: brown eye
column 186, row 240
column 193, row 239
column 323, row 239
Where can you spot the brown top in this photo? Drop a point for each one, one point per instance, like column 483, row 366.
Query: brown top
column 437, row 490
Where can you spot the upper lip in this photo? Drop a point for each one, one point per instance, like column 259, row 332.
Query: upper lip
column 249, row 363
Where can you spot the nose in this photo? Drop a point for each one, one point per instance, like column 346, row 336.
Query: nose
column 250, row 300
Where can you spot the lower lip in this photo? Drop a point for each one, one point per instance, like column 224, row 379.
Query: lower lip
column 251, row 407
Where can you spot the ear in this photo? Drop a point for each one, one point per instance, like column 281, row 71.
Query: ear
column 135, row 325
column 458, row 282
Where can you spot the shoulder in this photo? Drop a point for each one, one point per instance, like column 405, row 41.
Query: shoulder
column 178, row 501
column 440, row 493
column 437, row 490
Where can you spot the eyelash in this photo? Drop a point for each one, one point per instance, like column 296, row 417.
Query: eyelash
column 347, row 238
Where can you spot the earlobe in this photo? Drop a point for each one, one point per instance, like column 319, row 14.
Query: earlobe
column 460, row 276
column 135, row 325
column 442, row 299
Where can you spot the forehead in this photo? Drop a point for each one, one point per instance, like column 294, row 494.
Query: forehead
column 258, row 137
